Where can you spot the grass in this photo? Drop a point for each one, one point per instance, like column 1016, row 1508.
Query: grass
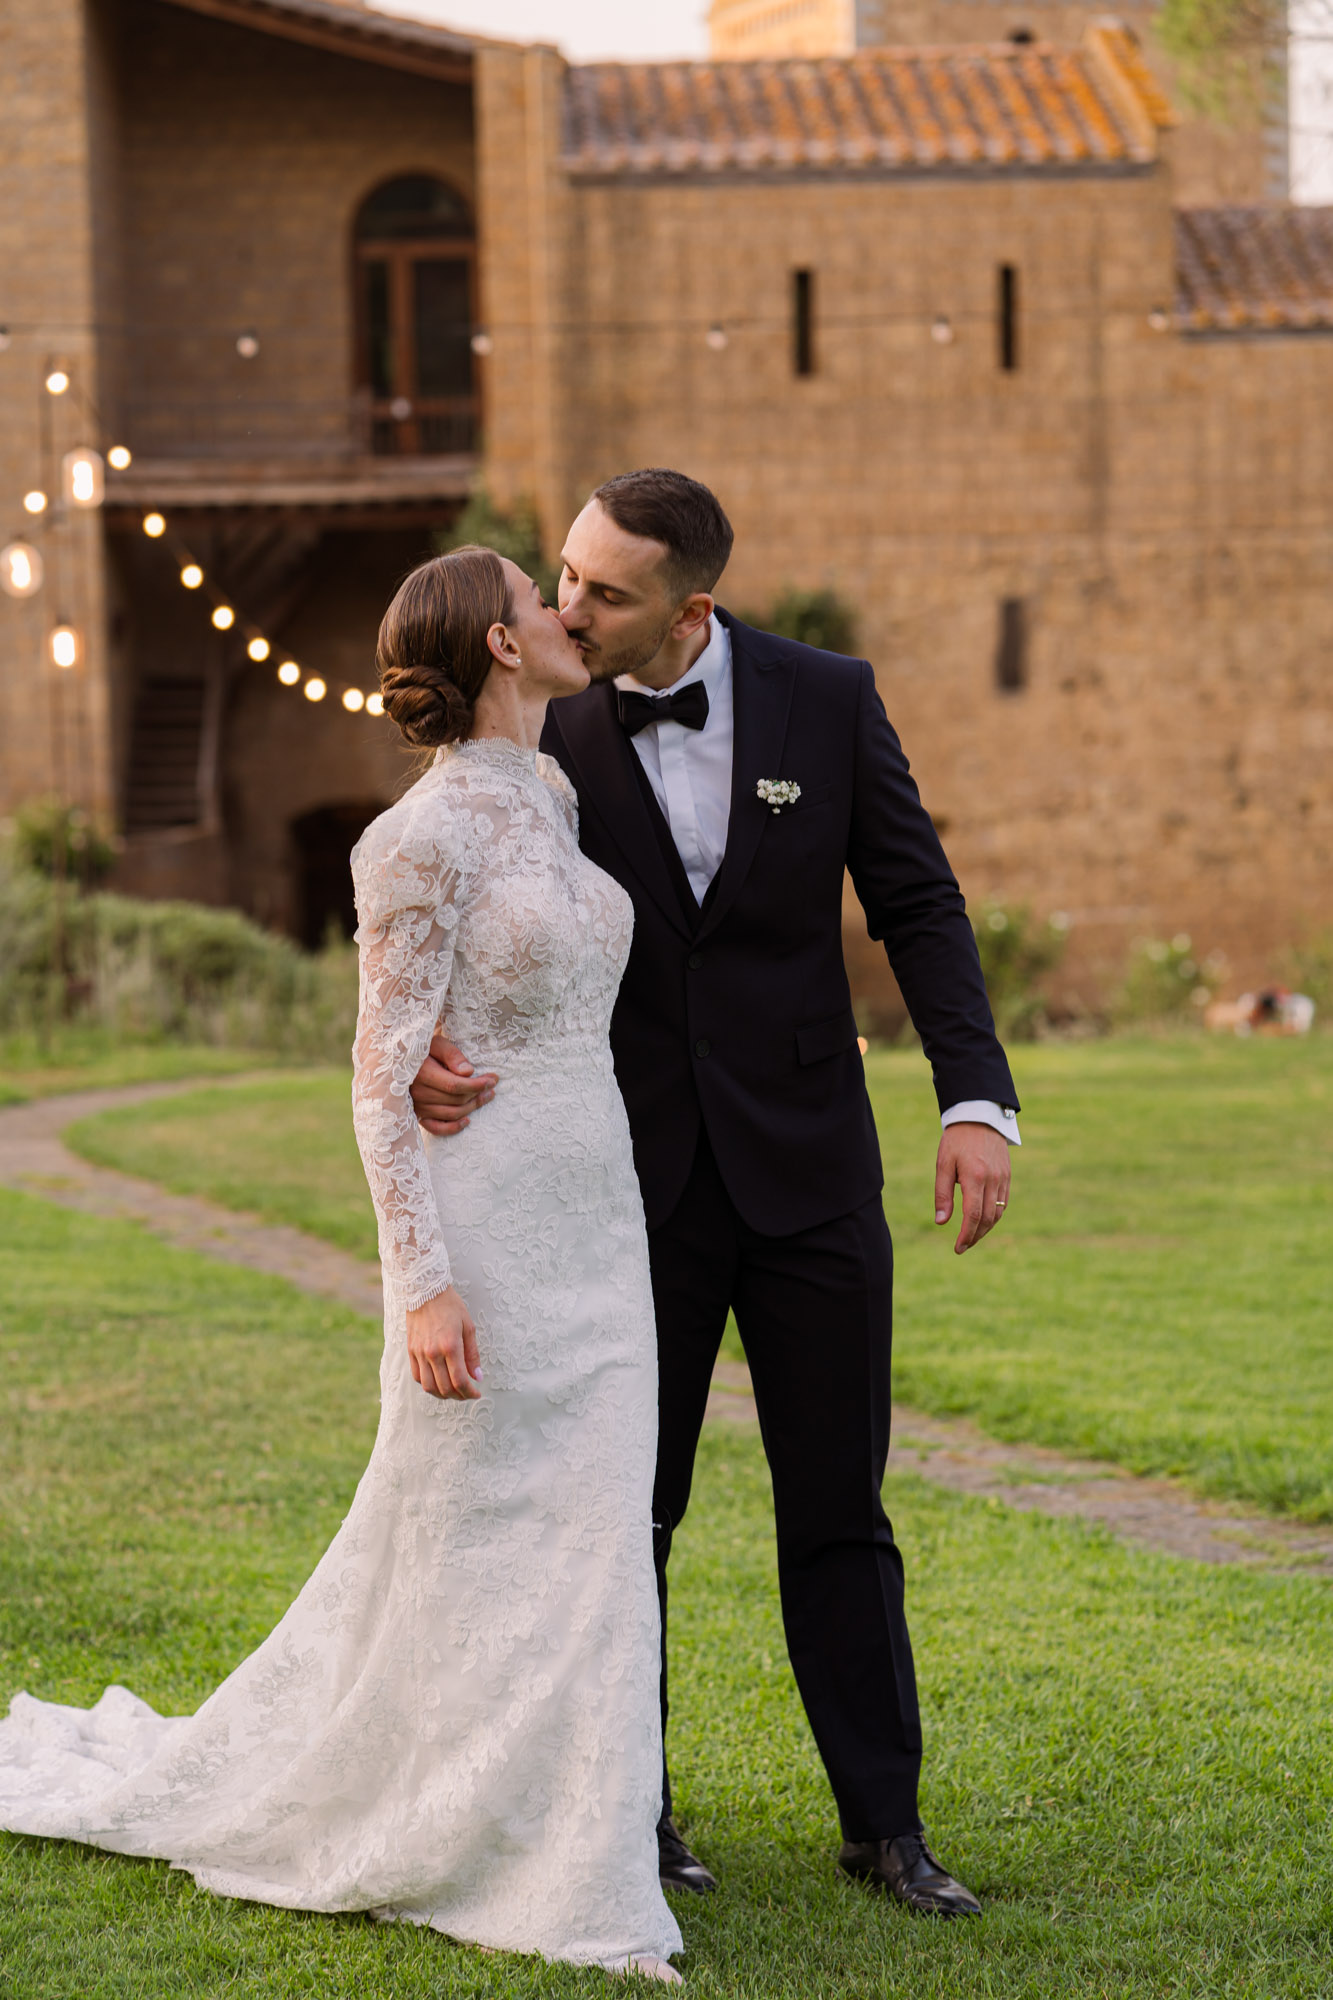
column 87, row 1059
column 1158, row 1294
column 1126, row 1754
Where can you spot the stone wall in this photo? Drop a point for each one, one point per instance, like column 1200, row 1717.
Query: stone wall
column 52, row 728
column 1161, row 504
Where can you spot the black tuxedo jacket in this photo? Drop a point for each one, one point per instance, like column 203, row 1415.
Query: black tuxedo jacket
column 739, row 1015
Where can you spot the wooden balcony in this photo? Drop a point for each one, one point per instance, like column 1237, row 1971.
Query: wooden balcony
column 394, row 457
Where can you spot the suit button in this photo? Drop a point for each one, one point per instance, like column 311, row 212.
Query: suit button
column 695, row 960
column 702, row 1047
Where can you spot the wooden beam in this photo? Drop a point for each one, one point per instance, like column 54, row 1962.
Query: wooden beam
column 365, row 37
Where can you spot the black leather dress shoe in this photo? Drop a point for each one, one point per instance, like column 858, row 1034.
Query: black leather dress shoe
column 679, row 1868
column 907, row 1869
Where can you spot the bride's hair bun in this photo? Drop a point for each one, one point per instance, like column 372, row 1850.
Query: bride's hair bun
column 432, row 654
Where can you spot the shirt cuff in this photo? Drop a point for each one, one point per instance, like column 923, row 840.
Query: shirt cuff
column 980, row 1111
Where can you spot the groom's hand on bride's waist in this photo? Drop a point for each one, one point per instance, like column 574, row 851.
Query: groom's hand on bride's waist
column 447, row 1090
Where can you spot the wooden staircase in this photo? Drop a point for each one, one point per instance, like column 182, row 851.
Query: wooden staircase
column 163, row 787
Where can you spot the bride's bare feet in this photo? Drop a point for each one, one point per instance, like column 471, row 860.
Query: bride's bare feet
column 651, row 1968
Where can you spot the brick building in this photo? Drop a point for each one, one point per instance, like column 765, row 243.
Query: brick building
column 932, row 322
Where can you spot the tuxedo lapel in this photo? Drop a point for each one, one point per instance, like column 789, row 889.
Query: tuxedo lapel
column 607, row 781
column 762, row 678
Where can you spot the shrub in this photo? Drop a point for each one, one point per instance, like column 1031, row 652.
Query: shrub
column 1016, row 952
column 814, row 617
column 1167, row 982
column 178, row 972
column 516, row 534
column 1309, row 969
column 63, row 840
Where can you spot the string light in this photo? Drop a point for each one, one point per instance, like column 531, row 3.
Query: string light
column 717, row 337
column 353, row 699
column 64, row 646
column 34, row 502
column 374, row 704
column 57, row 382
column 941, row 330
column 154, row 525
column 247, row 344
column 314, row 689
column 289, row 673
column 192, row 576
column 20, row 570
column 258, row 649
column 481, row 342
column 119, row 457
column 223, row 617
column 81, row 475
column 1159, row 319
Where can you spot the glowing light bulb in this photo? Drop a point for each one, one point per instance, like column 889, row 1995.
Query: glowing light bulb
column 716, row 337
column 154, row 525
column 258, row 649
column 20, row 570
column 289, row 673
column 374, row 704
column 119, row 457
column 353, row 699
column 57, row 382
column 481, row 342
column 941, row 330
column 64, row 646
column 314, row 689
column 81, row 476
column 192, row 576
column 247, row 345
column 223, row 617
column 34, row 502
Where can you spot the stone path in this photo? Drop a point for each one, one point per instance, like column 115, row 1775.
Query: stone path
column 1155, row 1513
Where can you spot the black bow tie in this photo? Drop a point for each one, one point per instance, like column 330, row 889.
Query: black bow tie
column 687, row 706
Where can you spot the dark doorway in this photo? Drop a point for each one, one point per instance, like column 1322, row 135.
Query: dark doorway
column 324, row 842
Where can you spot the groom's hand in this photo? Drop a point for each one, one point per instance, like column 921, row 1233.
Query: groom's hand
column 975, row 1160
column 446, row 1090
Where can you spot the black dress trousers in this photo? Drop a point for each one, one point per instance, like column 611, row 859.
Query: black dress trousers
column 815, row 1312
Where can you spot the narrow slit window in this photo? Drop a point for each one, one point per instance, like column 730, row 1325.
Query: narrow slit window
column 1008, row 316
column 803, row 322
column 1011, row 651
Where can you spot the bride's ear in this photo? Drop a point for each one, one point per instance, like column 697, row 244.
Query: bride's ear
column 503, row 647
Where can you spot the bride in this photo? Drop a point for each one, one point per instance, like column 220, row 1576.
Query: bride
column 457, row 1722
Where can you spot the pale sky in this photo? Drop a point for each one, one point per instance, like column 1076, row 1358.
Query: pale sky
column 584, row 29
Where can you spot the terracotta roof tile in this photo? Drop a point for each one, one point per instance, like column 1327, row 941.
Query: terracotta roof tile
column 1254, row 269
column 1011, row 106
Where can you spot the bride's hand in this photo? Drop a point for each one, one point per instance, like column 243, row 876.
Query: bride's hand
column 442, row 1347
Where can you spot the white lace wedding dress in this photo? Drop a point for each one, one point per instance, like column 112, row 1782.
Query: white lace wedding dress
column 456, row 1723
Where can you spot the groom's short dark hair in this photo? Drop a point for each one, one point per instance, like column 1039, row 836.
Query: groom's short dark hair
column 667, row 507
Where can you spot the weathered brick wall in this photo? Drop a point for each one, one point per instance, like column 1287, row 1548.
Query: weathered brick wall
column 246, row 158
column 47, row 307
column 1162, row 504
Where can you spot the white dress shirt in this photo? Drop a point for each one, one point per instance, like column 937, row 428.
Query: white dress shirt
column 690, row 774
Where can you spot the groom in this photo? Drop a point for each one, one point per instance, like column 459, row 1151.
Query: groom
column 727, row 778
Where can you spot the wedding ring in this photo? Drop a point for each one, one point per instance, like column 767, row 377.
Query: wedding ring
column 1002, row 1204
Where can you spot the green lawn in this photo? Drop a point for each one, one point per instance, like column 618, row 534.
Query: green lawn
column 86, row 1059
column 1127, row 1755
column 1159, row 1293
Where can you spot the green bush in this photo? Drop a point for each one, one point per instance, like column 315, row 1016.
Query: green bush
column 1309, row 969
column 63, row 840
column 181, row 972
column 1016, row 953
column 814, row 617
column 516, row 534
column 1167, row 982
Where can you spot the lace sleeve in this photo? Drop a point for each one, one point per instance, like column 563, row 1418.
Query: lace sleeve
column 408, row 887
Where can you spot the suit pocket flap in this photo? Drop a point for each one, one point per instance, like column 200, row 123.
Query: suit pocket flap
column 826, row 1038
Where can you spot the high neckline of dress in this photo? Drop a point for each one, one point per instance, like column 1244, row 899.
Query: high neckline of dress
column 498, row 750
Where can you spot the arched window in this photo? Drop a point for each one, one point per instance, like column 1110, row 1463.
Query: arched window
column 415, row 274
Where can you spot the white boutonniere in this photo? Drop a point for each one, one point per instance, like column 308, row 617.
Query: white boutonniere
column 778, row 792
